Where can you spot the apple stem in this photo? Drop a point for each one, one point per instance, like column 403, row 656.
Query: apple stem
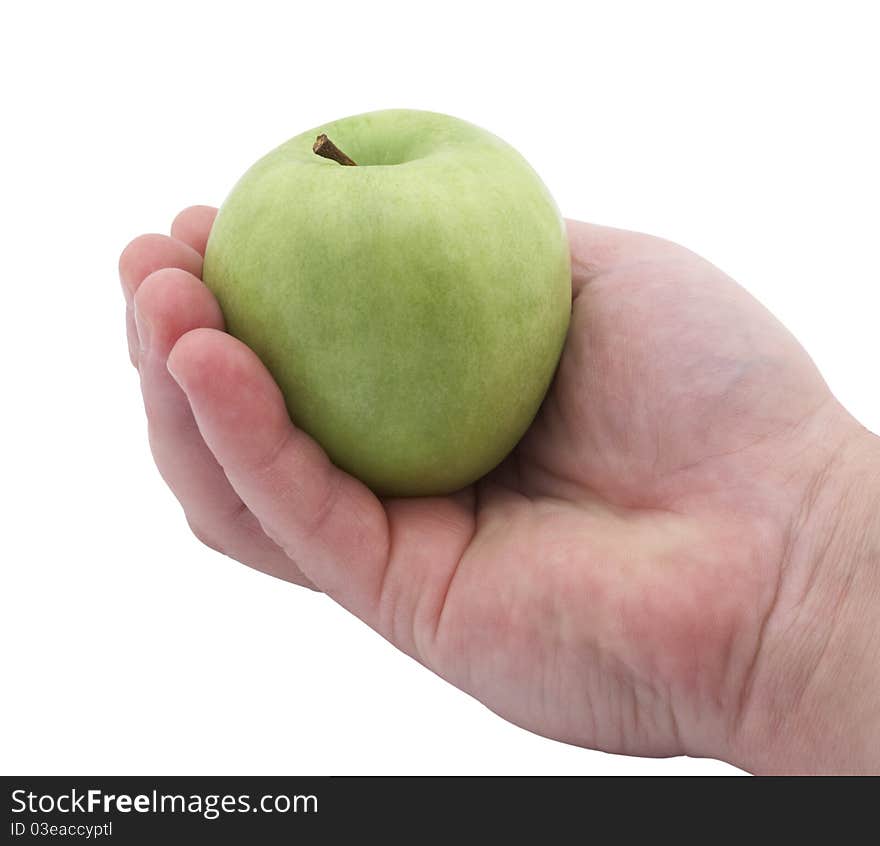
column 323, row 146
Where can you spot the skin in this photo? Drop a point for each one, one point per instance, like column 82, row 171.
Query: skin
column 682, row 555
column 448, row 241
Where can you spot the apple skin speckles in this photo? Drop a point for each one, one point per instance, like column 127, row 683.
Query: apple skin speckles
column 412, row 308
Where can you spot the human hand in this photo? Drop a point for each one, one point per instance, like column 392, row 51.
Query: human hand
column 654, row 570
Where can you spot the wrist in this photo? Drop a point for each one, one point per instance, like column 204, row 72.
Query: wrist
column 813, row 702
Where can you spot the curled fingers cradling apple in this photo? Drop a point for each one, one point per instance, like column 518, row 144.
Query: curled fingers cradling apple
column 647, row 571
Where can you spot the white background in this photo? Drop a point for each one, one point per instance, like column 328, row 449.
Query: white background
column 747, row 131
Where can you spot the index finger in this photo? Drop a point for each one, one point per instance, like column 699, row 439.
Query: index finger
column 193, row 225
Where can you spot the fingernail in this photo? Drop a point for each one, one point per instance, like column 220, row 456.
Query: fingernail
column 144, row 329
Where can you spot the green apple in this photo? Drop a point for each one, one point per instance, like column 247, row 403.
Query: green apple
column 412, row 306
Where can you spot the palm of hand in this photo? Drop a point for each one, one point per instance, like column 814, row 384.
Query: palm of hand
column 628, row 553
column 608, row 583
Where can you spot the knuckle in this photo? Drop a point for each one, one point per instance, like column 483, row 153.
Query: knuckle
column 205, row 537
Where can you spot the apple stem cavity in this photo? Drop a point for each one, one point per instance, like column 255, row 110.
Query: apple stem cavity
column 323, row 146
